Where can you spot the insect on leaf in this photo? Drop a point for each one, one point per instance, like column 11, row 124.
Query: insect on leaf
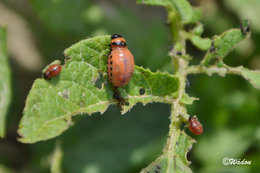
column 82, row 87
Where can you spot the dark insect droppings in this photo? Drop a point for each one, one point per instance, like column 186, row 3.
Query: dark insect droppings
column 142, row 91
column 212, row 48
column 179, row 53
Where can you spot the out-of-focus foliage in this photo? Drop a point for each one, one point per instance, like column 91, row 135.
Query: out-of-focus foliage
column 228, row 107
column 5, row 86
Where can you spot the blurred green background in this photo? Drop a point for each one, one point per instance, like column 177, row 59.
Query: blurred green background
column 39, row 31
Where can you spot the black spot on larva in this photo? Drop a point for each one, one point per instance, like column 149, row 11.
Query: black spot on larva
column 111, row 62
column 111, row 68
column 127, row 103
column 110, row 56
column 107, row 62
column 110, row 74
column 142, row 91
column 107, row 68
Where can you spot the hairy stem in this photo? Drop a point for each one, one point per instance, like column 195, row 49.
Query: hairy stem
column 214, row 70
column 180, row 65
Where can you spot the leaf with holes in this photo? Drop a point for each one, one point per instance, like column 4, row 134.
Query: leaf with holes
column 82, row 88
column 223, row 44
column 5, row 86
column 173, row 161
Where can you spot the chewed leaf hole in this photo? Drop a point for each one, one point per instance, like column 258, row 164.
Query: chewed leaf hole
column 99, row 81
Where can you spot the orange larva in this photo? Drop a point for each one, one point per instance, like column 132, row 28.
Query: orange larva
column 120, row 62
column 195, row 126
column 53, row 70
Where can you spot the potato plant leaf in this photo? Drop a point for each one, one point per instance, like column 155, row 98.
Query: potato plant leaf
column 252, row 76
column 223, row 44
column 201, row 43
column 5, row 86
column 188, row 100
column 175, row 161
column 82, row 88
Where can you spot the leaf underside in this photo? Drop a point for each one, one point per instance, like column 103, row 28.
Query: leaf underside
column 82, row 88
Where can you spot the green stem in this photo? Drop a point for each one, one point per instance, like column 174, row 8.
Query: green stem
column 179, row 65
column 213, row 69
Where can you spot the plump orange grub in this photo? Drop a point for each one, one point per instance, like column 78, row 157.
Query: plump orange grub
column 120, row 62
column 53, row 70
column 195, row 126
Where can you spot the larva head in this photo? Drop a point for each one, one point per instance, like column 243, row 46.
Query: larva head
column 117, row 41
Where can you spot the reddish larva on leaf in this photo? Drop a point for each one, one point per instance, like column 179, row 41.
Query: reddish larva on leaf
column 120, row 62
column 195, row 126
column 53, row 70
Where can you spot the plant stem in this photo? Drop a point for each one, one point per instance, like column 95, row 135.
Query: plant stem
column 213, row 69
column 179, row 65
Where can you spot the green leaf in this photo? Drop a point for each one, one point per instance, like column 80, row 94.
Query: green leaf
column 182, row 6
column 201, row 43
column 176, row 161
column 5, row 86
column 252, row 76
column 197, row 15
column 224, row 44
column 185, row 9
column 198, row 30
column 82, row 87
column 186, row 99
